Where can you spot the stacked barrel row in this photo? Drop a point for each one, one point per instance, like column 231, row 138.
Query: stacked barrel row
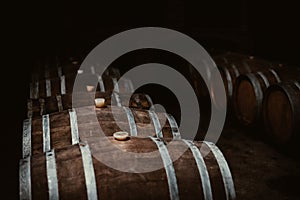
column 264, row 95
column 64, row 147
column 51, row 89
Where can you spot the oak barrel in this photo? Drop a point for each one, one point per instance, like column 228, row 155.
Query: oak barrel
column 281, row 113
column 60, row 129
column 38, row 107
column 63, row 84
column 231, row 65
column 249, row 92
column 52, row 67
column 201, row 172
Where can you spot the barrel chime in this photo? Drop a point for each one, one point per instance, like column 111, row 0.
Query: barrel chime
column 58, row 164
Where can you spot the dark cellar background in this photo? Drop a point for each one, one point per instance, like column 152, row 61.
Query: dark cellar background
column 264, row 28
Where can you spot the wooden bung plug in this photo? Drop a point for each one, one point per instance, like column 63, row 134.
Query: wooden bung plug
column 121, row 135
column 90, row 88
column 100, row 102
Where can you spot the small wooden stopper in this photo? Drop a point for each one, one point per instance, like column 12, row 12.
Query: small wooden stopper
column 80, row 71
column 121, row 135
column 90, row 88
column 100, row 102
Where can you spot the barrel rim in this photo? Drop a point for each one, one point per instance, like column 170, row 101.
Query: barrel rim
column 253, row 80
column 285, row 88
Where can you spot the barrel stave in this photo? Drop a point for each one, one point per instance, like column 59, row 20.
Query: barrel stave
column 38, row 175
column 70, row 171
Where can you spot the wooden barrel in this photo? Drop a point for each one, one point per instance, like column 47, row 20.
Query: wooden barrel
column 234, row 65
column 57, row 130
column 52, row 67
column 281, row 113
column 59, row 68
column 38, row 107
column 63, row 84
column 249, row 92
column 51, row 87
column 55, row 67
column 201, row 172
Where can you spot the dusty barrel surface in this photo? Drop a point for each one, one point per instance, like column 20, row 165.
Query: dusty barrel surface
column 201, row 172
column 57, row 130
column 37, row 107
column 249, row 92
column 281, row 112
column 64, row 84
